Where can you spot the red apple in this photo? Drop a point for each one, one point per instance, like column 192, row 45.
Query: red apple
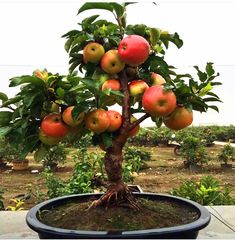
column 137, row 87
column 134, row 50
column 180, row 118
column 113, row 84
column 97, row 121
column 158, row 102
column 111, row 62
column 52, row 125
column 157, row 79
column 68, row 118
column 93, row 52
column 115, row 120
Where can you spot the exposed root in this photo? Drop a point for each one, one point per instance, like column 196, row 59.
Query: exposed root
column 118, row 194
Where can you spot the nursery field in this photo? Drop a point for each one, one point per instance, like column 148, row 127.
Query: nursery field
column 163, row 172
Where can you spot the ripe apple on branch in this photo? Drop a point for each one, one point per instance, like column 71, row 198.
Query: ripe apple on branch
column 118, row 64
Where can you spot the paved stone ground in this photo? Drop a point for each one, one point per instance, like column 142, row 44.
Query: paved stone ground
column 222, row 225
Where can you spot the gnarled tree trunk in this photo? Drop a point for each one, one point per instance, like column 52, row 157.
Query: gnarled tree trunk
column 118, row 192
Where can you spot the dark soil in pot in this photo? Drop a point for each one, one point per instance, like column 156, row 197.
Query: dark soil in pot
column 152, row 214
column 161, row 216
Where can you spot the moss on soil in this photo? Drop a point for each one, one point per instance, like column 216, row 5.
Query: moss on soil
column 153, row 214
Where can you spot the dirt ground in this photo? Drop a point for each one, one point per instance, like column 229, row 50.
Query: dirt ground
column 165, row 171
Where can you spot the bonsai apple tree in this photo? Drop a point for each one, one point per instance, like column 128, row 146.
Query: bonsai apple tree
column 110, row 63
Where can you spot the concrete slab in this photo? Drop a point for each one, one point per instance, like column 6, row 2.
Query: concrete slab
column 225, row 213
column 13, row 225
column 217, row 229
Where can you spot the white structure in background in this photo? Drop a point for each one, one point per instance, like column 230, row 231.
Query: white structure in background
column 31, row 38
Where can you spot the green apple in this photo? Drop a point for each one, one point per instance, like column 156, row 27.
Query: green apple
column 93, row 52
column 48, row 140
column 137, row 87
column 111, row 62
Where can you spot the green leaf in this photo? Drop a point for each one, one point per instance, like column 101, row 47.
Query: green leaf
column 205, row 90
column 76, row 56
column 5, row 117
column 214, row 107
column 114, row 40
column 12, row 101
column 154, row 36
column 60, row 92
column 213, row 94
column 95, row 5
column 106, row 91
column 74, row 65
column 202, row 75
column 71, row 33
column 213, row 77
column 77, row 110
column 91, row 84
column 209, row 69
column 140, row 29
column 29, row 98
column 128, row 3
column 119, row 9
column 175, row 38
column 26, row 79
column 40, row 153
column 29, row 145
column 107, row 139
column 117, row 93
column 5, row 130
column 90, row 20
column 158, row 122
column 67, row 44
column 3, row 97
column 211, row 99
column 216, row 83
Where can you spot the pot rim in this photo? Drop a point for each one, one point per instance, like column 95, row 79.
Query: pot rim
column 36, row 225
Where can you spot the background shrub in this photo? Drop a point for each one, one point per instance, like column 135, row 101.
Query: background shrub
column 54, row 156
column 193, row 150
column 206, row 191
column 226, row 154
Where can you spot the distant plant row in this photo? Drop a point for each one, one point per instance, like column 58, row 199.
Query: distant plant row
column 153, row 136
column 157, row 136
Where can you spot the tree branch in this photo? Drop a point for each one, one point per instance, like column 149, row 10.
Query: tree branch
column 11, row 108
column 137, row 122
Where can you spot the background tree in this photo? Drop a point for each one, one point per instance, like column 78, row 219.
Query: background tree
column 113, row 68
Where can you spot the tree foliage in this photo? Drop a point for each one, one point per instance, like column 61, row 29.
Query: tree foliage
column 21, row 116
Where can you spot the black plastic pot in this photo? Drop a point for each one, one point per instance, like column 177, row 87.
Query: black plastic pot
column 187, row 231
